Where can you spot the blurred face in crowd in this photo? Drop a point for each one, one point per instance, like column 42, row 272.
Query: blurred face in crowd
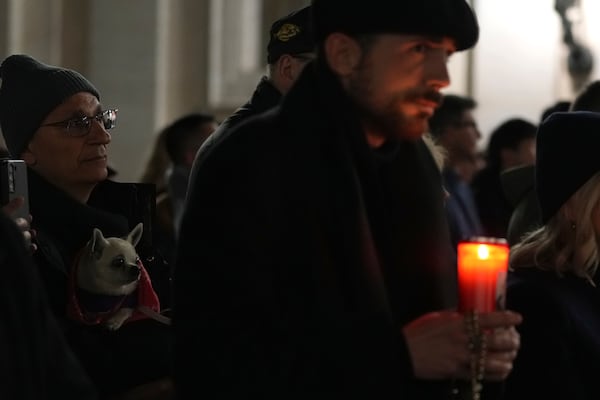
column 461, row 137
column 69, row 152
column 524, row 154
column 395, row 80
column 203, row 132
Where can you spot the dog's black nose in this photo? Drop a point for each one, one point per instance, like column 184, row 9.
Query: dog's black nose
column 134, row 271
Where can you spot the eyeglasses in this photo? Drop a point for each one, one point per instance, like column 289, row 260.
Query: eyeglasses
column 82, row 126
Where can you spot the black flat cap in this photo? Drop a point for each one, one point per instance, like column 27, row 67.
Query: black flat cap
column 437, row 18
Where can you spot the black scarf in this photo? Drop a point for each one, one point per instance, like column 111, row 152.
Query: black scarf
column 394, row 192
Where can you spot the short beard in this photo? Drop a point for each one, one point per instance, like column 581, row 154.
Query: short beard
column 389, row 121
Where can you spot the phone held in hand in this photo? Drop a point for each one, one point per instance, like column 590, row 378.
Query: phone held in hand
column 13, row 183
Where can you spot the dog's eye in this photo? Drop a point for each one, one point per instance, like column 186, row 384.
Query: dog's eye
column 119, row 261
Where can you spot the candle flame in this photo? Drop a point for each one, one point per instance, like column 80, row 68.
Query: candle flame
column 483, row 252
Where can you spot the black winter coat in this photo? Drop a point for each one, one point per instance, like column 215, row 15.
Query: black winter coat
column 265, row 97
column 303, row 253
column 36, row 362
column 560, row 336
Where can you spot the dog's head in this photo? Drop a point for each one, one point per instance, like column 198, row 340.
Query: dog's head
column 110, row 265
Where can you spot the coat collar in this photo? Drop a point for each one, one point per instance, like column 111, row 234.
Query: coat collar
column 394, row 194
column 265, row 96
column 66, row 220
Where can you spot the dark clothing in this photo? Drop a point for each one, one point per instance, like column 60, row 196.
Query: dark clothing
column 177, row 182
column 36, row 362
column 560, row 336
column 265, row 97
column 525, row 218
column 303, row 253
column 460, row 209
column 493, row 208
column 139, row 351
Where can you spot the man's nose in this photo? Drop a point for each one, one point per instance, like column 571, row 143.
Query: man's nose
column 98, row 134
column 437, row 72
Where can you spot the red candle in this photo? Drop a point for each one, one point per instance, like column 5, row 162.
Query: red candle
column 482, row 268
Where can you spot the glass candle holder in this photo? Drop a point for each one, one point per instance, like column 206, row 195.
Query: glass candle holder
column 482, row 269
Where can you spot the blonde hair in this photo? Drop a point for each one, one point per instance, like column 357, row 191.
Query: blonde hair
column 568, row 241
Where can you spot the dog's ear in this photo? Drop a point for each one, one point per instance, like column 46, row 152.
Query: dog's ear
column 98, row 243
column 136, row 234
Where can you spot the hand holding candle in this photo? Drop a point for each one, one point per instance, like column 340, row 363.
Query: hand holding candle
column 482, row 269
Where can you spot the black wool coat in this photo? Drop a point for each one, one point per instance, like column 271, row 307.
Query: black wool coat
column 36, row 362
column 265, row 97
column 303, row 253
column 560, row 336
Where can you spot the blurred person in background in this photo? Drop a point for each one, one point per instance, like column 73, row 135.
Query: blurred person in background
column 453, row 127
column 511, row 144
column 291, row 46
column 554, row 275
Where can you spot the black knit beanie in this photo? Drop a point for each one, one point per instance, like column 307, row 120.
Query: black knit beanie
column 30, row 91
column 566, row 158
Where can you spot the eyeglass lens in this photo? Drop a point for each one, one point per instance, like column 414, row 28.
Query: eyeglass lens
column 83, row 125
column 109, row 118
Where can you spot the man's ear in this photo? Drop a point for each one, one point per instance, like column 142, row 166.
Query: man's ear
column 285, row 71
column 343, row 53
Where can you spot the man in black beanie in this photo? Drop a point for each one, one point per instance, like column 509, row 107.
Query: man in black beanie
column 22, row 79
column 291, row 46
column 313, row 254
column 52, row 118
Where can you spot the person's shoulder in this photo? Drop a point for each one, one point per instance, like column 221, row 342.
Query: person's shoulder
column 240, row 152
column 264, row 99
column 251, row 133
column 545, row 292
column 111, row 186
column 240, row 115
column 532, row 279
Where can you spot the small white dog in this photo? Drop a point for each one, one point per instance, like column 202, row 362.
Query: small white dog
column 107, row 276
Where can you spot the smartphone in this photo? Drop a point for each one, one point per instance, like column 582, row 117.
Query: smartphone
column 13, row 183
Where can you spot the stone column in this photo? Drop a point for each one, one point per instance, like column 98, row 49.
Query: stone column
column 124, row 57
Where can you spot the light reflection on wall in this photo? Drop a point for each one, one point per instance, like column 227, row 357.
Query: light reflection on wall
column 591, row 13
column 519, row 61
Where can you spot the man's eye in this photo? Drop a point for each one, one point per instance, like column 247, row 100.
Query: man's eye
column 80, row 123
column 420, row 48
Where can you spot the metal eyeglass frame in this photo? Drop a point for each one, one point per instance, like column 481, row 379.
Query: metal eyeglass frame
column 82, row 126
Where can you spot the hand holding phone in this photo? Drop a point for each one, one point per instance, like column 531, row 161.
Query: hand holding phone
column 14, row 197
column 14, row 192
